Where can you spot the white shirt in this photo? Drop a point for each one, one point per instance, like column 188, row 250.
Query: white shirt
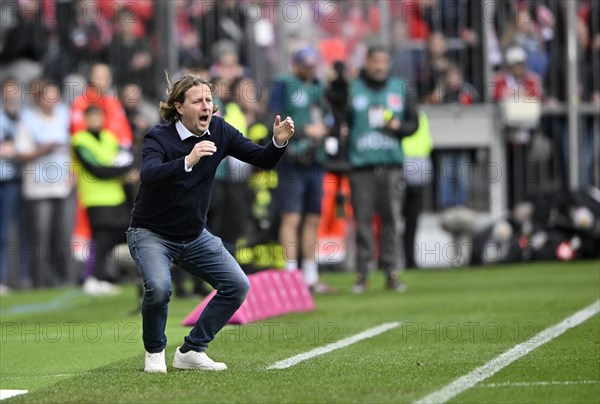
column 184, row 133
column 48, row 176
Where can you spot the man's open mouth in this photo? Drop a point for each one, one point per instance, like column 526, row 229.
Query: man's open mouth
column 204, row 118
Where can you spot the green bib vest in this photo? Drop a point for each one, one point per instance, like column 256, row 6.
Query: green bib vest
column 369, row 143
column 304, row 103
column 94, row 191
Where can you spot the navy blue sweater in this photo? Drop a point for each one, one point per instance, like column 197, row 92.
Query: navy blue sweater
column 173, row 202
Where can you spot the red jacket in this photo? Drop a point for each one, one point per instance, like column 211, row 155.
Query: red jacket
column 115, row 119
column 505, row 85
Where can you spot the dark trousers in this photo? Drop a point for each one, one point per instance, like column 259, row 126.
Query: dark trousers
column 377, row 190
column 519, row 175
column 109, row 226
column 413, row 205
column 49, row 229
column 229, row 212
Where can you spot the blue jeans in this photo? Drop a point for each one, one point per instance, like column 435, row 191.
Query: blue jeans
column 454, row 178
column 205, row 257
column 11, row 203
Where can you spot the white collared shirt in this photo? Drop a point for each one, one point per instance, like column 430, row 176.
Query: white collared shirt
column 184, row 133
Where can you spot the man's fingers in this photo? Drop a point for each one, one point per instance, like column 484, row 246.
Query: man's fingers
column 206, row 147
column 277, row 120
column 288, row 122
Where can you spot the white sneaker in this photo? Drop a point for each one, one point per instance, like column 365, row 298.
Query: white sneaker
column 94, row 287
column 155, row 362
column 193, row 360
column 4, row 290
column 107, row 288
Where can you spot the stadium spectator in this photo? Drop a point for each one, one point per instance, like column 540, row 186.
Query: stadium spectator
column 414, row 11
column 524, row 31
column 24, row 40
column 100, row 92
column 141, row 116
column 229, row 212
column 179, row 161
column 188, row 39
column 226, row 66
column 223, row 20
column 84, row 34
column 433, row 65
column 593, row 51
column 382, row 113
column 264, row 50
column 453, row 178
column 516, row 81
column 139, row 111
column 554, row 82
column 453, row 89
column 470, row 31
column 404, row 57
column 460, row 22
column 101, row 170
column 42, row 144
column 591, row 90
column 518, row 88
column 130, row 56
column 457, row 21
column 361, row 20
column 556, row 126
column 418, row 170
column 299, row 27
column 142, row 13
column 10, row 178
column 442, row 16
column 300, row 190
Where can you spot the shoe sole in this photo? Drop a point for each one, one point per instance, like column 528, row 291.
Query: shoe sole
column 187, row 366
column 155, row 371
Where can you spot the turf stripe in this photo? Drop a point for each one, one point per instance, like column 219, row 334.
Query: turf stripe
column 4, row 393
column 548, row 383
column 60, row 302
column 29, row 376
column 489, row 369
column 371, row 332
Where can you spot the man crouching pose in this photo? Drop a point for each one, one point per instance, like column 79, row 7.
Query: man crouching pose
column 179, row 160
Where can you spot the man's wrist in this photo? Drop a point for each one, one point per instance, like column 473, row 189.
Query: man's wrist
column 279, row 146
column 186, row 166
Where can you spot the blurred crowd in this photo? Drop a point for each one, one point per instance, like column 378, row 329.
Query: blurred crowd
column 75, row 67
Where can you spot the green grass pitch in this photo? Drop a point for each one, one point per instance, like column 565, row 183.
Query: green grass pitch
column 64, row 346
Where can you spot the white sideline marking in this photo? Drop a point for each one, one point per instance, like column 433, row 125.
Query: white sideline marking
column 483, row 372
column 4, row 394
column 528, row 384
column 43, row 376
column 371, row 332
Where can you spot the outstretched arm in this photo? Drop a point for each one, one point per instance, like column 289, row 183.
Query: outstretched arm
column 265, row 157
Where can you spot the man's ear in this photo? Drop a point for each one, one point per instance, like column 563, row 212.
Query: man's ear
column 179, row 108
